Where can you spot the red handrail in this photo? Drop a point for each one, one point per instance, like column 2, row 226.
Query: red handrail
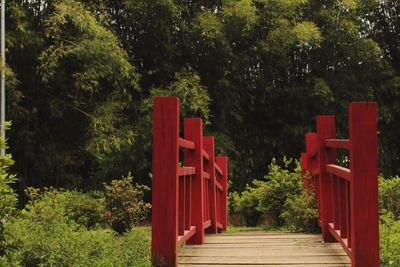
column 187, row 200
column 347, row 198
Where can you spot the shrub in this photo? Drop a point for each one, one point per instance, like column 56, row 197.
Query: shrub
column 389, row 239
column 246, row 204
column 279, row 199
column 44, row 234
column 282, row 183
column 389, row 195
column 124, row 203
column 85, row 209
column 300, row 212
column 8, row 197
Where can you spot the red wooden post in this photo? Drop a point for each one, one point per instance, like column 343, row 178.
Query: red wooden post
column 210, row 168
column 325, row 130
column 165, row 180
column 194, row 132
column 223, row 164
column 304, row 169
column 364, row 184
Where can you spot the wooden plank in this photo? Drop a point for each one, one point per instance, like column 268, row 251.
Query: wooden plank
column 339, row 171
column 184, row 171
column 219, row 186
column 264, row 249
column 342, row 241
column 218, row 169
column 205, row 155
column 265, row 260
column 186, row 236
column 337, row 143
column 186, row 144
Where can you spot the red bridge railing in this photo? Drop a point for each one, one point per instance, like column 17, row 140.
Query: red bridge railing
column 189, row 196
column 347, row 198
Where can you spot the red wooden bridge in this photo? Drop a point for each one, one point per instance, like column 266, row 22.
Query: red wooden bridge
column 190, row 197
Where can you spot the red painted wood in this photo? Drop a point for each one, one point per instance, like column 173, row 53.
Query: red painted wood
column 326, row 130
column 182, row 206
column 182, row 239
column 165, row 180
column 206, row 155
column 208, row 144
column 186, row 144
column 188, row 203
column 185, row 171
column 343, row 241
column 304, row 169
column 186, row 200
column 337, row 143
column 335, row 200
column 348, row 207
column 364, row 184
column 223, row 163
column 193, row 131
column 218, row 169
column 348, row 198
column 338, row 171
column 342, row 208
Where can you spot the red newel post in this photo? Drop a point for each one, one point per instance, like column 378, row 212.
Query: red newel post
column 165, row 180
column 194, row 132
column 325, row 130
column 364, row 184
column 210, row 168
column 223, row 164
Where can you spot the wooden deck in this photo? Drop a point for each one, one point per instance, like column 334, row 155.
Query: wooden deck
column 263, row 249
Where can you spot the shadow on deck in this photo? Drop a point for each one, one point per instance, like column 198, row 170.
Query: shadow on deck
column 264, row 249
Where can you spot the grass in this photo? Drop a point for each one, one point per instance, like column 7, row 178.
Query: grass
column 264, row 228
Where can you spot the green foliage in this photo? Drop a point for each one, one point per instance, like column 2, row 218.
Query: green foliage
column 282, row 185
column 300, row 212
column 124, row 204
column 192, row 94
column 278, row 198
column 82, row 74
column 246, row 203
column 8, row 198
column 389, row 230
column 85, row 209
column 51, row 231
column 389, row 195
column 240, row 17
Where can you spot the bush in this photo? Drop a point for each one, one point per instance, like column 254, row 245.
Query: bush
column 300, row 212
column 279, row 199
column 46, row 234
column 389, row 195
column 85, row 209
column 389, row 239
column 282, row 183
column 8, row 197
column 124, row 203
column 246, row 204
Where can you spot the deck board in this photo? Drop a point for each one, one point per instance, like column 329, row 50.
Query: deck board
column 263, row 249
